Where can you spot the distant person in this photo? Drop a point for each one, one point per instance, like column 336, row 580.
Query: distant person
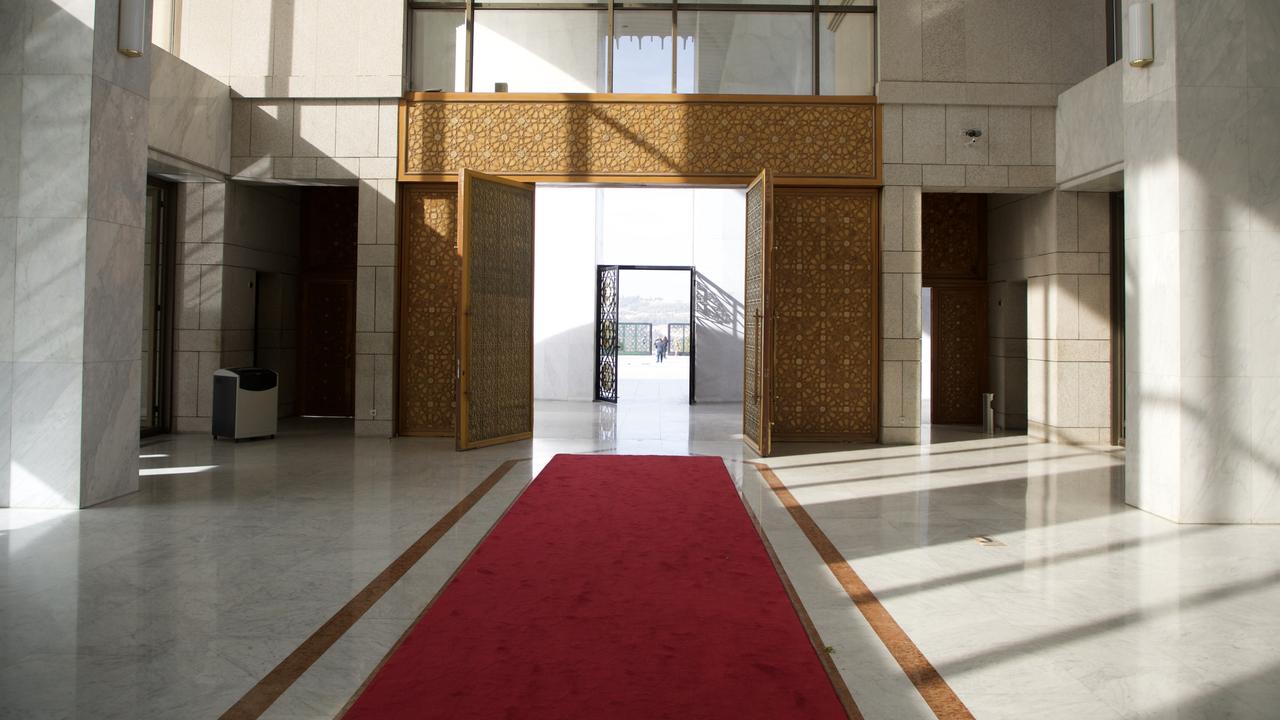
column 661, row 346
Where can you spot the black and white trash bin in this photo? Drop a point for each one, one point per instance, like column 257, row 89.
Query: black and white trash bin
column 244, row 403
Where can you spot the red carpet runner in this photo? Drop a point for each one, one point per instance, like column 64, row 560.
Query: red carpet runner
column 617, row 588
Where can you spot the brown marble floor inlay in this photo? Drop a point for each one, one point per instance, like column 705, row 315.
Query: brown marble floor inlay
column 260, row 697
column 937, row 694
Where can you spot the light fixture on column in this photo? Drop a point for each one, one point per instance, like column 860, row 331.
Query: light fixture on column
column 1141, row 45
column 132, row 38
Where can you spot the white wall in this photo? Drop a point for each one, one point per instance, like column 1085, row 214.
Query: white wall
column 564, row 282
column 719, row 227
column 316, row 48
column 578, row 228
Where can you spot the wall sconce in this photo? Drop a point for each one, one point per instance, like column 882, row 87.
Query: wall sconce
column 132, row 38
column 1141, row 31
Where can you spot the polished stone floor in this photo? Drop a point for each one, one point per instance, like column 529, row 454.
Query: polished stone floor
column 174, row 601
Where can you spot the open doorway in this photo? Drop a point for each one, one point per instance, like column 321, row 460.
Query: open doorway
column 655, row 347
column 674, row 256
column 954, row 377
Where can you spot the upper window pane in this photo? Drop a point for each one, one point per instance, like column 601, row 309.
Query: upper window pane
column 745, row 52
column 801, row 3
column 642, row 52
column 439, row 50
column 540, row 50
column 846, row 53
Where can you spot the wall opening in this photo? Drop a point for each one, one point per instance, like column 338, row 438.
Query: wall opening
column 695, row 233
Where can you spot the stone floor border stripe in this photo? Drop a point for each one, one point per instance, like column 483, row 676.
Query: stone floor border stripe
column 937, row 694
column 269, row 689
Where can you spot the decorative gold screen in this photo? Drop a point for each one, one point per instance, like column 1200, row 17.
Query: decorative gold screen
column 601, row 137
column 824, row 315
column 498, row 333
column 428, row 310
column 754, row 385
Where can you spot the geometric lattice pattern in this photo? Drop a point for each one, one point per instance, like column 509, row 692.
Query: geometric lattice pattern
column 584, row 138
column 500, row 334
column 681, row 338
column 428, row 311
column 959, row 353
column 753, row 310
column 608, row 333
column 636, row 338
column 824, row 318
column 954, row 236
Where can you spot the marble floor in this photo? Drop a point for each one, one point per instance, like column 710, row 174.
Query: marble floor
column 174, row 601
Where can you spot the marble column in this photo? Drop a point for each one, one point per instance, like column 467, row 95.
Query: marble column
column 73, row 150
column 900, row 290
column 375, row 308
column 1202, row 257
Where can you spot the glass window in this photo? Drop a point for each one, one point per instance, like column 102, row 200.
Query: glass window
column 540, row 50
column 800, row 3
column 846, row 47
column 642, row 52
column 439, row 50
column 745, row 52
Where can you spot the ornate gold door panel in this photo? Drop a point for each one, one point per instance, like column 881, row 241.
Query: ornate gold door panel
column 825, row 315
column 959, row 353
column 429, row 275
column 495, row 312
column 756, row 378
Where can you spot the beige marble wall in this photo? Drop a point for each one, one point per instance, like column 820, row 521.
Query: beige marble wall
column 340, row 142
column 1050, row 251
column 987, row 52
column 1202, row 189
column 925, row 145
column 298, row 48
column 900, row 291
column 1090, row 122
column 226, row 234
column 190, row 114
column 72, row 204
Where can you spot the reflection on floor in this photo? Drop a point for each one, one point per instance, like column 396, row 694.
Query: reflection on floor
column 175, row 601
column 641, row 378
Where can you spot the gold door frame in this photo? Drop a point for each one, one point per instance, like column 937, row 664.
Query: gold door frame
column 466, row 198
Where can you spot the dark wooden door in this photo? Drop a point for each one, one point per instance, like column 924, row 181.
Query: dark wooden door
column 327, row 344
column 959, row 353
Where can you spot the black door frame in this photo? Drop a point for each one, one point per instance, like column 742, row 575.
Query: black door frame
column 164, row 262
column 693, row 328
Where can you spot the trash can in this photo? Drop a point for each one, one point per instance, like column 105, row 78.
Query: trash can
column 244, row 403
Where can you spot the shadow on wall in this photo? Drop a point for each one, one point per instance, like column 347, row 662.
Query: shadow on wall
column 719, row 322
column 564, row 365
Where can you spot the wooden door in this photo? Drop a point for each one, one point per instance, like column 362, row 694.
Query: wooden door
column 757, row 336
column 959, row 353
column 495, row 311
column 825, row 325
column 430, row 274
column 327, row 347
